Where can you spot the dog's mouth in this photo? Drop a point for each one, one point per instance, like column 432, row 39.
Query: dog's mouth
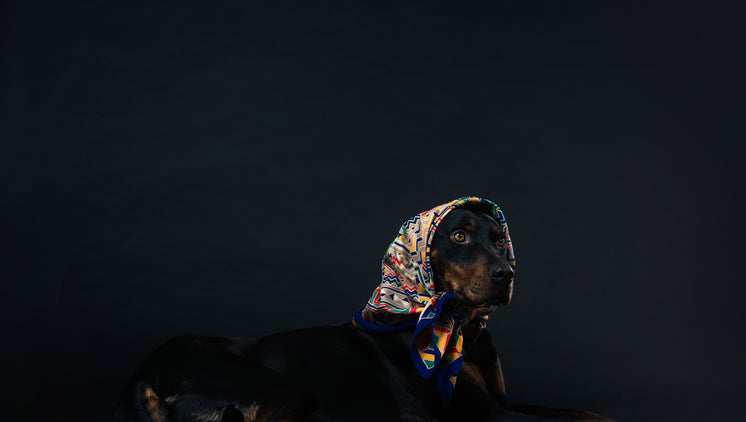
column 470, row 299
column 461, row 297
column 500, row 299
column 504, row 300
column 506, row 295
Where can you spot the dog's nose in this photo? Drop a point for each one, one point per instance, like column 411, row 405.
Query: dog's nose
column 501, row 274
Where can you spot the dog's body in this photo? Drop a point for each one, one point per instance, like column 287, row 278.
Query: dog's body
column 341, row 372
column 350, row 375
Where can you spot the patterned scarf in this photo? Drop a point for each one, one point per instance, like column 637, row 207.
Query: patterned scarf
column 406, row 297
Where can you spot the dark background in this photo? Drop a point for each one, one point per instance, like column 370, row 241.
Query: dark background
column 234, row 168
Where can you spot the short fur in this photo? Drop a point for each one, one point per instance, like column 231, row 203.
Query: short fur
column 340, row 372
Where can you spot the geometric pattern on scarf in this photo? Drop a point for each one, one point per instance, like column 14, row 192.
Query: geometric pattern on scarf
column 406, row 296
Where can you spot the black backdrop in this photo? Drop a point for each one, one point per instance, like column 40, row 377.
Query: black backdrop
column 234, row 168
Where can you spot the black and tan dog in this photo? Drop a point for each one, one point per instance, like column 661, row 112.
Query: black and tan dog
column 348, row 374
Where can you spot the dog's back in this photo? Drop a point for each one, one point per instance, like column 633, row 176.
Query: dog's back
column 198, row 378
column 324, row 373
column 331, row 373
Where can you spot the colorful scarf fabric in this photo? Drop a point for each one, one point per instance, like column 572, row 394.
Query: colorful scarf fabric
column 406, row 297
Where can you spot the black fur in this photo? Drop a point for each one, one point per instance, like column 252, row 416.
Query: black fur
column 339, row 372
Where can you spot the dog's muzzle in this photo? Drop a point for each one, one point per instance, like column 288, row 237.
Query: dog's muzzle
column 503, row 278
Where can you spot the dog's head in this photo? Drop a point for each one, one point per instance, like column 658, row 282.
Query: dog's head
column 468, row 258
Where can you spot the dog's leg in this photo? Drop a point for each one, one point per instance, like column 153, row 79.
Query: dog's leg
column 151, row 401
column 480, row 356
column 496, row 383
column 277, row 405
column 470, row 373
column 485, row 357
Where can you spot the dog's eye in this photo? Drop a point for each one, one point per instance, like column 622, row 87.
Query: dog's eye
column 459, row 236
column 501, row 241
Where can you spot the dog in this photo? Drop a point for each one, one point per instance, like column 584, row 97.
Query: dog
column 344, row 372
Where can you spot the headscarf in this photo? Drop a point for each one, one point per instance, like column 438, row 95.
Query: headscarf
column 407, row 297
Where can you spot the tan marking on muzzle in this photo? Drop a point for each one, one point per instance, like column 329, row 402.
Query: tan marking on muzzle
column 471, row 280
